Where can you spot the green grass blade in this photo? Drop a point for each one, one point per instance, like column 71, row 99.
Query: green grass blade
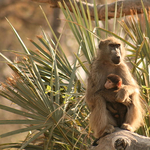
column 34, row 137
column 115, row 35
column 106, row 17
column 21, row 121
column 22, row 113
column 73, row 75
column 35, row 127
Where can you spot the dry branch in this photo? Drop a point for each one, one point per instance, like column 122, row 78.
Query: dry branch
column 123, row 140
column 125, row 6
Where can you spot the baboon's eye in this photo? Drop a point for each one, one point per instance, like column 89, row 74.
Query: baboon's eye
column 114, row 45
column 117, row 45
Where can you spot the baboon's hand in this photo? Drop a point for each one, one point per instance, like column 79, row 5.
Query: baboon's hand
column 127, row 101
column 123, row 96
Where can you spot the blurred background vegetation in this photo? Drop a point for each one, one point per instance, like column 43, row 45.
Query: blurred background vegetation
column 27, row 19
column 55, row 69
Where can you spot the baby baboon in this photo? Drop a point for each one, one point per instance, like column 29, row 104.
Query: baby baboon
column 110, row 59
column 112, row 86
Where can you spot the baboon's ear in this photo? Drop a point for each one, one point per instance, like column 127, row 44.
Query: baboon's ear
column 101, row 44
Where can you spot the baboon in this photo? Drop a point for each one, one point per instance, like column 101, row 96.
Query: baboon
column 110, row 59
column 118, row 110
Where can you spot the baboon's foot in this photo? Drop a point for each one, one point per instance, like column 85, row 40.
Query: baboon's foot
column 126, row 127
column 109, row 129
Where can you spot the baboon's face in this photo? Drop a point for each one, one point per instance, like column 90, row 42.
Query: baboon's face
column 111, row 50
column 115, row 53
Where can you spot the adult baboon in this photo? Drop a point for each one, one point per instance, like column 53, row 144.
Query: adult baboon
column 110, row 59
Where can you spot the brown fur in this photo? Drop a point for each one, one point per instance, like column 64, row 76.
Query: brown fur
column 101, row 120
